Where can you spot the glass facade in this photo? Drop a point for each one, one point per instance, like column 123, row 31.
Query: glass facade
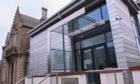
column 60, row 50
column 93, row 41
column 88, row 50
column 91, row 52
column 96, row 52
column 58, row 61
column 95, row 15
column 105, row 12
column 136, row 29
column 87, row 59
column 99, row 13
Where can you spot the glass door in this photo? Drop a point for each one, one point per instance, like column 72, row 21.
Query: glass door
column 87, row 59
column 99, row 57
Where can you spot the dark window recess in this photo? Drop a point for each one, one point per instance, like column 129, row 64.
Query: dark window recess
column 96, row 52
column 111, row 52
column 78, row 62
column 93, row 78
column 136, row 28
column 100, row 58
column 109, row 36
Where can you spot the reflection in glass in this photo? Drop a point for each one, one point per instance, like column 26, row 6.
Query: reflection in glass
column 84, row 22
column 109, row 36
column 105, row 12
column 77, row 45
column 111, row 52
column 95, row 15
column 100, row 13
column 93, row 41
column 136, row 30
column 100, row 59
column 73, row 25
column 60, row 49
column 67, row 60
column 87, row 59
column 57, row 60
column 78, row 62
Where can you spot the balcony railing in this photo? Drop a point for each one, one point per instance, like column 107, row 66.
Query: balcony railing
column 11, row 51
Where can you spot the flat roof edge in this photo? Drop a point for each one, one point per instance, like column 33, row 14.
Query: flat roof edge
column 53, row 16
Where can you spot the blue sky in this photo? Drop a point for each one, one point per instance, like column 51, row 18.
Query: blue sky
column 28, row 7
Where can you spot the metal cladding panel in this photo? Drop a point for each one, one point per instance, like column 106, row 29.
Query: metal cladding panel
column 38, row 54
column 123, row 34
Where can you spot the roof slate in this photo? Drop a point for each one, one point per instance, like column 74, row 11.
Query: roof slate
column 29, row 21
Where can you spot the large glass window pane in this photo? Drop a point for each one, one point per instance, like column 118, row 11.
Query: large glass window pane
column 105, row 12
column 73, row 25
column 67, row 60
column 136, row 31
column 95, row 15
column 100, row 58
column 93, row 41
column 87, row 59
column 57, row 60
column 84, row 22
column 135, row 26
column 77, row 45
column 109, row 36
column 111, row 53
column 78, row 60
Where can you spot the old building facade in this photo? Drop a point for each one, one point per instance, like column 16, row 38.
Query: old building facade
column 15, row 50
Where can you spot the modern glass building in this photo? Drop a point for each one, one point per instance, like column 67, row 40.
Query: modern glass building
column 87, row 35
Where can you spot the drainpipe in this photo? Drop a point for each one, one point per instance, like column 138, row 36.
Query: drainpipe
column 116, row 82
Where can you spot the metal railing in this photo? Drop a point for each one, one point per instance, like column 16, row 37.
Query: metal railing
column 91, row 71
column 21, row 80
column 48, row 75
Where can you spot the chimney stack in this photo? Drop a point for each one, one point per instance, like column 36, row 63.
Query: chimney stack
column 44, row 14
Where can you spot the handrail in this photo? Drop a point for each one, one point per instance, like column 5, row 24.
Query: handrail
column 21, row 79
column 48, row 75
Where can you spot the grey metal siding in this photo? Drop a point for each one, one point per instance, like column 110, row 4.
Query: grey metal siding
column 38, row 54
column 123, row 34
column 40, row 46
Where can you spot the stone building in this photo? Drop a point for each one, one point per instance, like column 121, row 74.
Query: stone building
column 15, row 50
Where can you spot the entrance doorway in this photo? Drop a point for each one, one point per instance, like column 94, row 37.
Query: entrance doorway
column 93, row 58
